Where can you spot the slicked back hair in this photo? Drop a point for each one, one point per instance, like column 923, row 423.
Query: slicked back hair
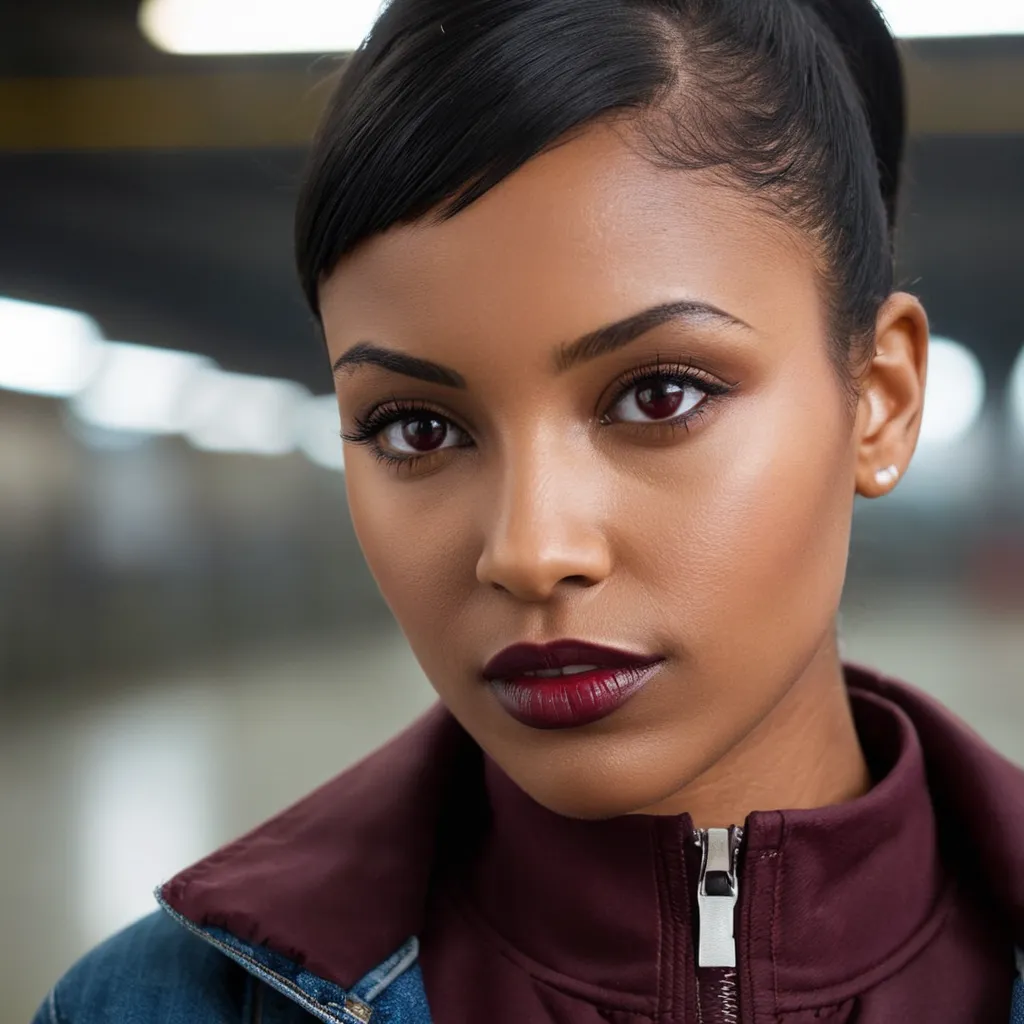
column 797, row 103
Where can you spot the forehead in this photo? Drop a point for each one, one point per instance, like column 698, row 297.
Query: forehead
column 579, row 236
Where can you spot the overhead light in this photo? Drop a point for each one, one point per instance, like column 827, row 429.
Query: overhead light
column 234, row 412
column 257, row 26
column 139, row 388
column 319, row 432
column 1016, row 393
column 955, row 392
column 330, row 26
column 47, row 350
column 909, row 18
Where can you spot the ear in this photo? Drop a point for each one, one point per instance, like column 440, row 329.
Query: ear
column 891, row 396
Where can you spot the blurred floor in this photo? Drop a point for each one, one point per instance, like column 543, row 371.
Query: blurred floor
column 111, row 793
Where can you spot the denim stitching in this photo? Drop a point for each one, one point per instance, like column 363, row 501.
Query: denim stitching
column 265, row 974
column 404, row 961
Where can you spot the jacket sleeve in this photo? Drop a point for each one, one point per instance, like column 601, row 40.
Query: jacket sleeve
column 153, row 970
column 47, row 1013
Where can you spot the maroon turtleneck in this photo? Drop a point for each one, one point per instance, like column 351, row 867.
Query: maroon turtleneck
column 845, row 912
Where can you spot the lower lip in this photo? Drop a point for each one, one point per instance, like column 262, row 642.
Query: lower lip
column 564, row 702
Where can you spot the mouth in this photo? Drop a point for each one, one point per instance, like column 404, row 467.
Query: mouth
column 567, row 683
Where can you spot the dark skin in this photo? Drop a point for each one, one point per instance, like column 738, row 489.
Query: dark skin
column 550, row 503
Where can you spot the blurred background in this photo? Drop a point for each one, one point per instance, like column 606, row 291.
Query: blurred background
column 181, row 594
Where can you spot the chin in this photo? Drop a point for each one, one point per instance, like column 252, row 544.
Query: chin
column 593, row 806
column 594, row 794
column 624, row 768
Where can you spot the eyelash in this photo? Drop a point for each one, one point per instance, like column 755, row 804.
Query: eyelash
column 368, row 428
column 394, row 410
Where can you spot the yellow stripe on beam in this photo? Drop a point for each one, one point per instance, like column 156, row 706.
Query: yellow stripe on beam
column 964, row 95
column 947, row 96
column 197, row 111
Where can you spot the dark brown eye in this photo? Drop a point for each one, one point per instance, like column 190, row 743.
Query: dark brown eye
column 657, row 399
column 418, row 435
column 660, row 401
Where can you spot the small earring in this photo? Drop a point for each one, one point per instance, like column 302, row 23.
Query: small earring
column 888, row 476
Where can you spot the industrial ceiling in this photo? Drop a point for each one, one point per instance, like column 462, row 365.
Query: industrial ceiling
column 155, row 192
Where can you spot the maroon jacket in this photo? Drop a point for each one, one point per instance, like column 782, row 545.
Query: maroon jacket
column 903, row 905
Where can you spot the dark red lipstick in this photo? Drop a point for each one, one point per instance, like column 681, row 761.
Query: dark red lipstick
column 566, row 683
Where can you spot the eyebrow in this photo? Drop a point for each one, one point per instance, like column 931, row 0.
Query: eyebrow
column 592, row 345
column 617, row 335
column 368, row 354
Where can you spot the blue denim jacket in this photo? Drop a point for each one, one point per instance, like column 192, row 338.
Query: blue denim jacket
column 166, row 970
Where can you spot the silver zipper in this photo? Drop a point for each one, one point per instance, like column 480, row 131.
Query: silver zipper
column 717, row 894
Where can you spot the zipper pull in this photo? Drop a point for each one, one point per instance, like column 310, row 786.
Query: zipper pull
column 717, row 892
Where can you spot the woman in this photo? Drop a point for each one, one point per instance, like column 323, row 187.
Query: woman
column 607, row 287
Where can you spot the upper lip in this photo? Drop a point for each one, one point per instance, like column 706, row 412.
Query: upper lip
column 518, row 659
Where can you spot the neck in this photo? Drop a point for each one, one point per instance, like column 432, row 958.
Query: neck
column 804, row 754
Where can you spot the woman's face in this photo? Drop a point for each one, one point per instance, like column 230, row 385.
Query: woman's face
column 679, row 488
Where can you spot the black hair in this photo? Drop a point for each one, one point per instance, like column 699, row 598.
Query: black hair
column 796, row 102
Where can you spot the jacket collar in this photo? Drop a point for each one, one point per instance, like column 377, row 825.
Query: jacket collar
column 337, row 882
column 601, row 901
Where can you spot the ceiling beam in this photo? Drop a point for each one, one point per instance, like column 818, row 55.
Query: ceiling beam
column 948, row 94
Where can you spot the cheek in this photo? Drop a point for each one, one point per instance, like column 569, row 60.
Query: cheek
column 414, row 538
column 757, row 549
column 795, row 531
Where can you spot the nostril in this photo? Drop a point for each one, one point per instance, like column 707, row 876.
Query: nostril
column 580, row 581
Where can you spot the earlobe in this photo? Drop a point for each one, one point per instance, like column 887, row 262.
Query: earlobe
column 892, row 396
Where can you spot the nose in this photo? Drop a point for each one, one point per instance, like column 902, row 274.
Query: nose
column 544, row 530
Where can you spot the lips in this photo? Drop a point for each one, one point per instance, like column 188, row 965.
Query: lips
column 519, row 659
column 567, row 683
